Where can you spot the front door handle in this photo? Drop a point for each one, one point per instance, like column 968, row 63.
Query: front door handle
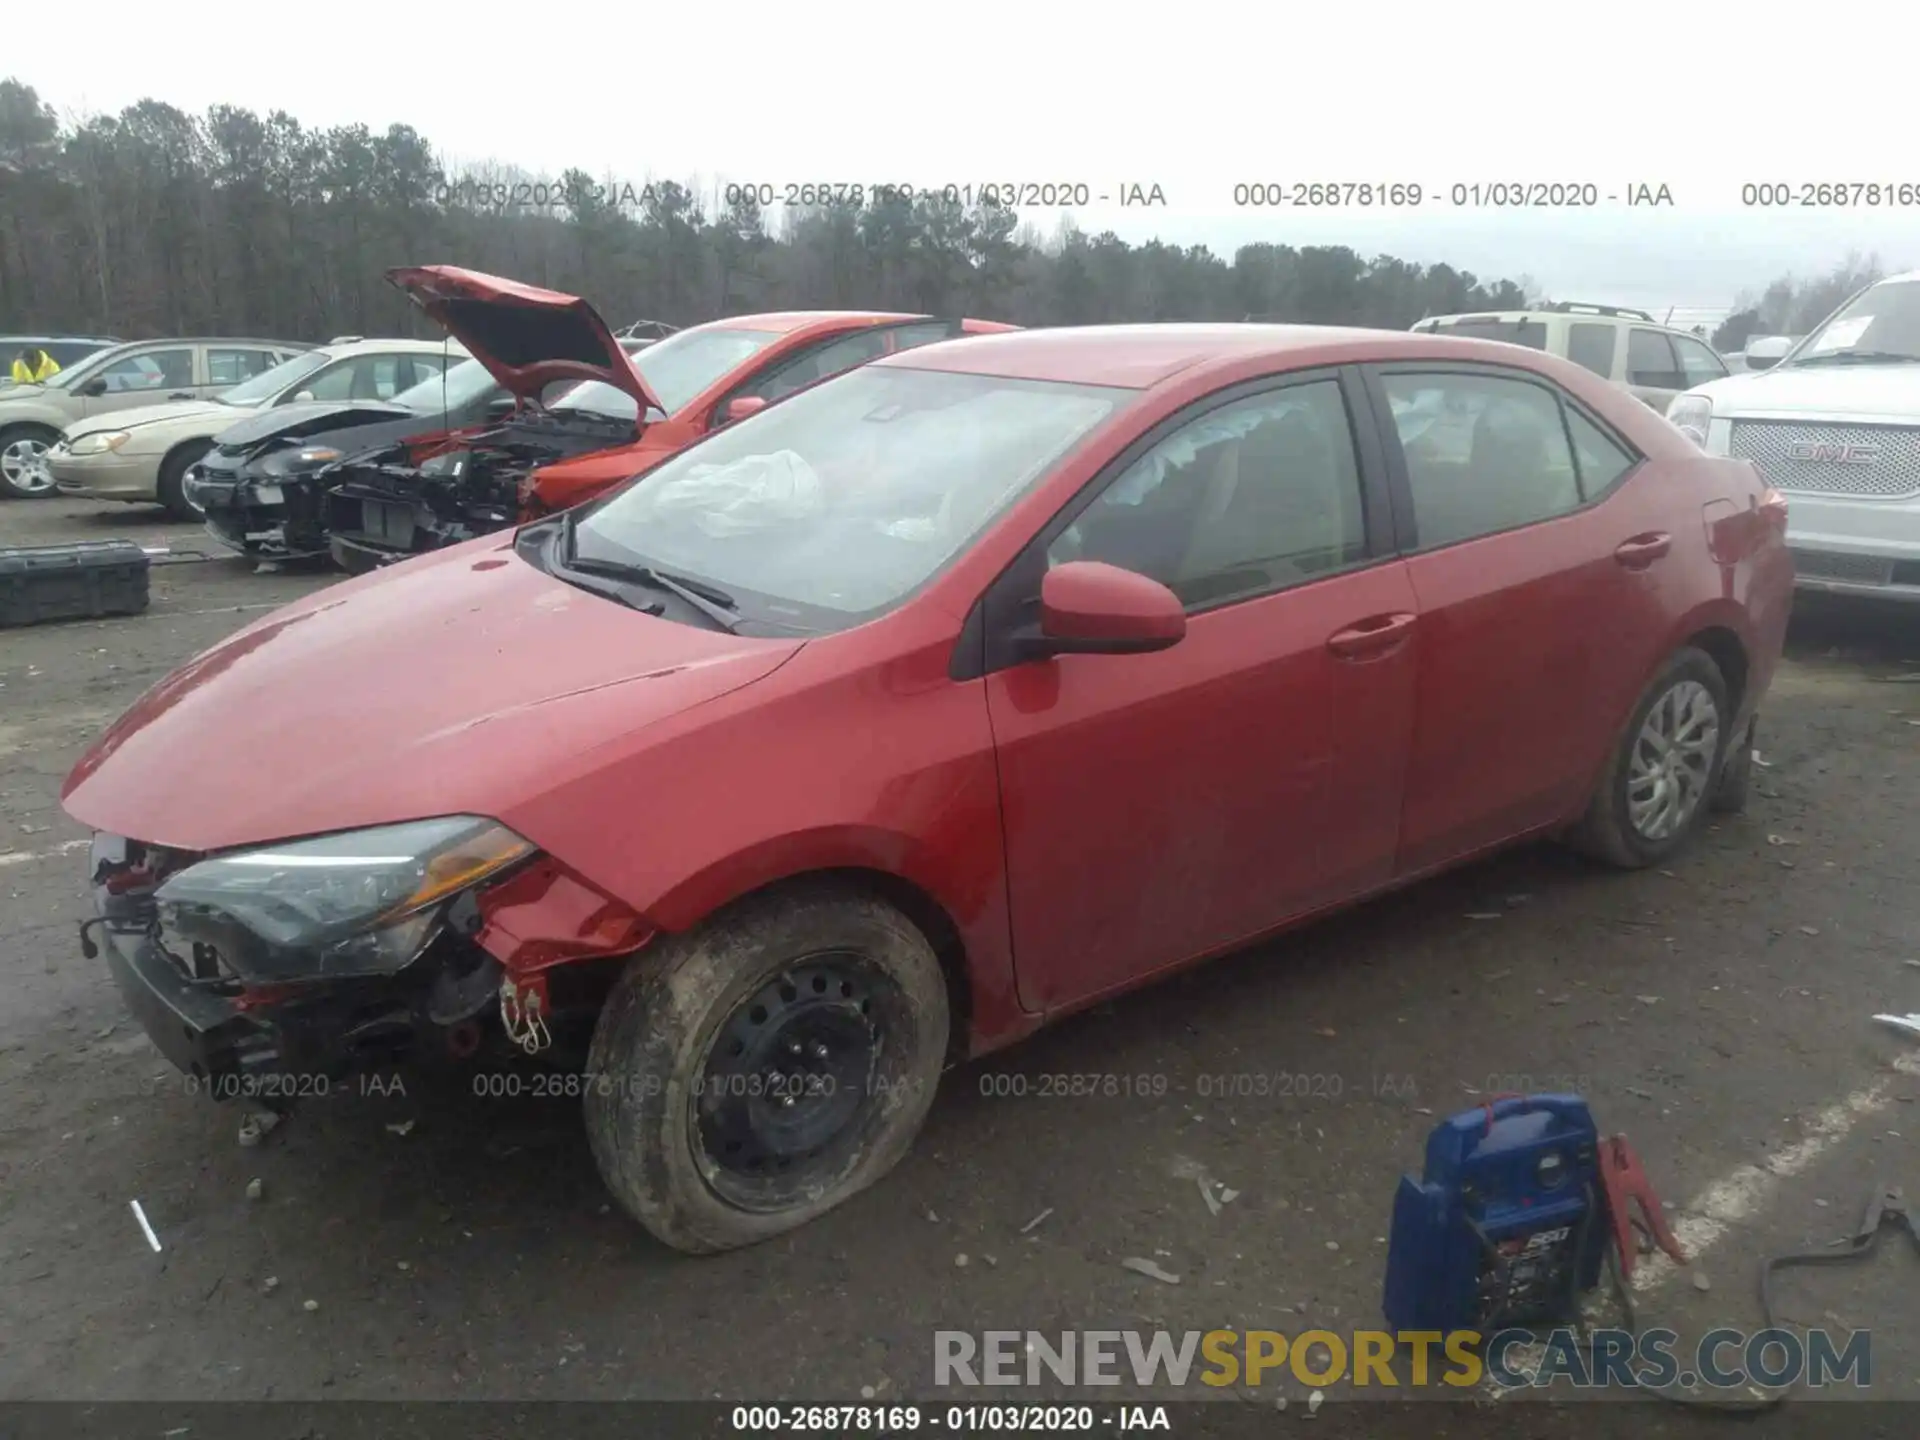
column 1642, row 550
column 1375, row 635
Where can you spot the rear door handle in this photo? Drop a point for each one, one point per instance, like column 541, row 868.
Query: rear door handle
column 1375, row 635
column 1642, row 550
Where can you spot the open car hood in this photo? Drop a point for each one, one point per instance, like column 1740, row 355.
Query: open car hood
column 526, row 337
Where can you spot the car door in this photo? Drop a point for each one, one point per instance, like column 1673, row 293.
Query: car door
column 1161, row 806
column 1653, row 369
column 146, row 377
column 1513, row 575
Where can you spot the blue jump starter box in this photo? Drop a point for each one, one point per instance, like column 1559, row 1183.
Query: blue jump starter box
column 1506, row 1226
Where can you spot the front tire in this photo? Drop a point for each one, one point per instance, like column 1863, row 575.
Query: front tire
column 1659, row 781
column 171, row 489
column 23, row 461
column 750, row 1075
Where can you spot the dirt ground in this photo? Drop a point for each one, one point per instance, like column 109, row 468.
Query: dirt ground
column 457, row 1247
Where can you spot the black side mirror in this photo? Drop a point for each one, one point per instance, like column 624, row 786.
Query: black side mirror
column 94, row 387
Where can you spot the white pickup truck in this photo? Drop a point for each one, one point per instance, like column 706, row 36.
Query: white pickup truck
column 1835, row 427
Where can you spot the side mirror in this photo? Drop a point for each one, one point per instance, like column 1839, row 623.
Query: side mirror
column 500, row 407
column 1089, row 608
column 94, row 387
column 301, row 396
column 1767, row 352
column 740, row 407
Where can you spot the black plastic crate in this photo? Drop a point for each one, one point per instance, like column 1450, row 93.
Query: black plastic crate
column 82, row 581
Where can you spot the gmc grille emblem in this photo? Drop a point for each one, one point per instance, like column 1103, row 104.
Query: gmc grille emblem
column 1836, row 454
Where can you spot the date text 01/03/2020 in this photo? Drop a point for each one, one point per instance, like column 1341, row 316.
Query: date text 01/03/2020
column 1461, row 194
column 993, row 194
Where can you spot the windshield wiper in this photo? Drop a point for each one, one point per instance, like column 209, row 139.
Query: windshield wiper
column 1858, row 357
column 715, row 604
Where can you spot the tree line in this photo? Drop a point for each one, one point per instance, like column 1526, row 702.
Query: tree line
column 156, row 222
column 1793, row 305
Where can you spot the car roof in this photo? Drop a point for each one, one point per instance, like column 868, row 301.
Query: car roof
column 1138, row 357
column 380, row 346
column 787, row 321
column 63, row 339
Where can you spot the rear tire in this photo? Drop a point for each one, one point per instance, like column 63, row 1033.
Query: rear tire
column 1655, row 790
column 750, row 1075
column 23, row 461
column 171, row 489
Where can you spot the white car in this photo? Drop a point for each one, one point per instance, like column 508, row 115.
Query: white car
column 143, row 455
column 1835, row 427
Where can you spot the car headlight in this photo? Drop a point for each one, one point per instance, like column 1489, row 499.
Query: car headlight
column 98, row 442
column 1691, row 414
column 362, row 902
column 299, row 459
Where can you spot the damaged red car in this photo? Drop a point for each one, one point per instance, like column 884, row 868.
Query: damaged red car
column 942, row 699
column 588, row 415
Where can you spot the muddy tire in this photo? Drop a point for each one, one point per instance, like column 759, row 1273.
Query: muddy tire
column 23, row 462
column 171, row 487
column 1736, row 772
column 1654, row 793
column 750, row 1075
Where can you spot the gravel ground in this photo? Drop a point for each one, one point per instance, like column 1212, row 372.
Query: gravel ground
column 1717, row 1012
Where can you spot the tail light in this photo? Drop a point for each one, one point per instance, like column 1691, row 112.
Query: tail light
column 1773, row 512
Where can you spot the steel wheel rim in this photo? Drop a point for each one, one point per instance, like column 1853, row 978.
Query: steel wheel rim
column 1671, row 766
column 24, row 463
column 786, row 1086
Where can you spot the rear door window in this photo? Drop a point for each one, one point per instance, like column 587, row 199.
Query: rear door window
column 1592, row 346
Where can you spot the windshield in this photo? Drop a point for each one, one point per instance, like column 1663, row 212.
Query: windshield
column 839, row 502
column 269, row 383
column 1882, row 322
column 680, row 367
column 462, row 385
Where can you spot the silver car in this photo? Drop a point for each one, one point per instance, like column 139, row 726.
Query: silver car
column 119, row 378
column 143, row 455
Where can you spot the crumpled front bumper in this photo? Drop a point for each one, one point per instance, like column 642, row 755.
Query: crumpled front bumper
column 201, row 1032
column 265, row 519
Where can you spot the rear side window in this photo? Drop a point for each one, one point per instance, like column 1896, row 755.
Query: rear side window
column 1591, row 347
column 1600, row 458
column 230, row 367
column 1483, row 453
column 1530, row 333
column 1651, row 361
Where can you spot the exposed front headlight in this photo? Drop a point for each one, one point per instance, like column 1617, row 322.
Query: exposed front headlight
column 1691, row 414
column 362, row 902
column 97, row 442
column 298, row 459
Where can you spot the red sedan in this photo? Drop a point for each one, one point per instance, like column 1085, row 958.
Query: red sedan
column 944, row 698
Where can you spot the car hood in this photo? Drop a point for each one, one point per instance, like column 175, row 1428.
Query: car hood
column 310, row 417
column 463, row 682
column 526, row 337
column 1874, row 392
column 157, row 415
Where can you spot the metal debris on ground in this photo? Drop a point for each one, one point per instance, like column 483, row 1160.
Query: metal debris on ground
column 1762, row 761
column 1206, row 1194
column 1780, row 840
column 1227, row 1197
column 1909, row 1023
column 1149, row 1269
column 1036, row 1220
column 256, row 1127
column 255, row 1189
column 145, row 1228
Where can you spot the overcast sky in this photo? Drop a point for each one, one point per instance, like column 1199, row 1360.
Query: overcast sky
column 1194, row 97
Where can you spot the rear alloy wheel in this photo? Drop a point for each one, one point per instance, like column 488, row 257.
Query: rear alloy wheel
column 749, row 1076
column 1660, row 779
column 23, row 461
